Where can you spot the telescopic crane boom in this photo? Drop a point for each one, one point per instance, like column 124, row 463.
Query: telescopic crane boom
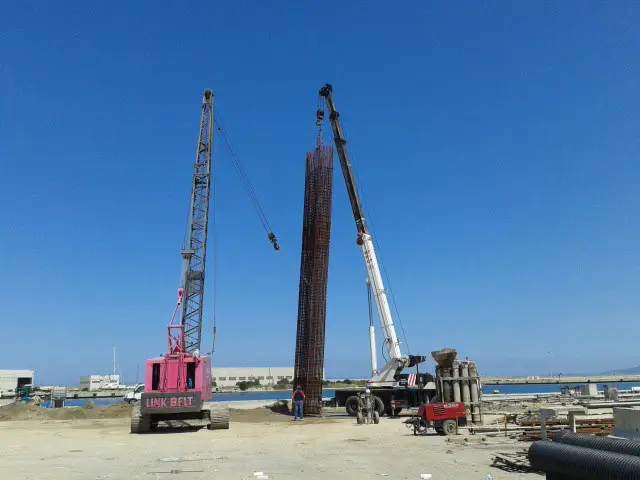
column 397, row 361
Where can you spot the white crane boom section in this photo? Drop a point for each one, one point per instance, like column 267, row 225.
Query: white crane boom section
column 380, row 297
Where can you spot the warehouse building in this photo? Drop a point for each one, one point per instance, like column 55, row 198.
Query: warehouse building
column 12, row 379
column 267, row 376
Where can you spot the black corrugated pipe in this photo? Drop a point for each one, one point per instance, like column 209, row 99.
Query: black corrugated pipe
column 617, row 445
column 582, row 463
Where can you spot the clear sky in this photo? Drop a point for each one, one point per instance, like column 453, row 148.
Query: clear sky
column 496, row 144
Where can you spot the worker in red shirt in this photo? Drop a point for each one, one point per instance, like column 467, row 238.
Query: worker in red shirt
column 298, row 402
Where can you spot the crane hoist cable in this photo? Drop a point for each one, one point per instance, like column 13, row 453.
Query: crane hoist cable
column 248, row 186
column 214, row 246
column 246, row 183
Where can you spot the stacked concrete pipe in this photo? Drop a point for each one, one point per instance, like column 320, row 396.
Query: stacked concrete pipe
column 474, row 384
column 457, row 381
column 444, row 359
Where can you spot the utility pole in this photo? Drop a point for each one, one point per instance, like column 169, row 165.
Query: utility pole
column 550, row 371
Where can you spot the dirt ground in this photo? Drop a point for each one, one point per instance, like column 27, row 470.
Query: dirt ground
column 95, row 443
column 21, row 411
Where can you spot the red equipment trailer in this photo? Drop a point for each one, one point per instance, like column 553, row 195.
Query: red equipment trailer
column 444, row 418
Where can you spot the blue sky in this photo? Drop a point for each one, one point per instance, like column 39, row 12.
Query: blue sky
column 496, row 144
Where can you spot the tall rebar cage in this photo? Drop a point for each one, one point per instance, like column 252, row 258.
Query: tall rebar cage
column 314, row 270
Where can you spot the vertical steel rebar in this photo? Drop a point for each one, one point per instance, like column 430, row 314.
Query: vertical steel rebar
column 314, row 269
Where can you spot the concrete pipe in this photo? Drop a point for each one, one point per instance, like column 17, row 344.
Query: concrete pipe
column 475, row 393
column 466, row 391
column 446, row 385
column 457, row 396
column 580, row 462
column 438, row 386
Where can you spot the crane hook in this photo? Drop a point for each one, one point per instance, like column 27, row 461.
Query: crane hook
column 273, row 240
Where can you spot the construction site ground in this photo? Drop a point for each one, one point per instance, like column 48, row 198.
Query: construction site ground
column 95, row 443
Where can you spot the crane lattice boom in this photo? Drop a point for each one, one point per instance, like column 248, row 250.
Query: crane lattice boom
column 194, row 251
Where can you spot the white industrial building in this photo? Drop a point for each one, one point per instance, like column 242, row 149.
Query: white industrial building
column 92, row 383
column 268, row 376
column 12, row 379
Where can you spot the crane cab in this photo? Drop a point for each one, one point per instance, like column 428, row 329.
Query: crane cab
column 177, row 376
column 176, row 386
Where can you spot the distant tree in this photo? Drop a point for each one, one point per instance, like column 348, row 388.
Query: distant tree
column 347, row 381
column 282, row 383
column 326, row 383
column 243, row 385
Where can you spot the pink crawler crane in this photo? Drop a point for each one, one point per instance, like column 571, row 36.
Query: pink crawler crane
column 177, row 384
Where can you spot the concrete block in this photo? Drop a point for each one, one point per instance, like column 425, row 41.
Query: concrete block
column 546, row 413
column 573, row 413
column 626, row 422
column 589, row 390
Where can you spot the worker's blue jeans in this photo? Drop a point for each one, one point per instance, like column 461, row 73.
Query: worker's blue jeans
column 298, row 410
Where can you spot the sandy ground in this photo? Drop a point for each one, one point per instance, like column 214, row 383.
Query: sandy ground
column 258, row 440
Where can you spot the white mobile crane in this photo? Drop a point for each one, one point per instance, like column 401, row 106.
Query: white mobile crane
column 393, row 390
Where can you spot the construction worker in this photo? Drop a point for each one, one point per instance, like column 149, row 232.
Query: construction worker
column 298, row 402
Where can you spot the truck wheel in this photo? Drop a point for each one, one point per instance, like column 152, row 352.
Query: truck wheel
column 139, row 423
column 376, row 417
column 218, row 416
column 351, row 405
column 379, row 405
column 449, row 427
column 396, row 411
